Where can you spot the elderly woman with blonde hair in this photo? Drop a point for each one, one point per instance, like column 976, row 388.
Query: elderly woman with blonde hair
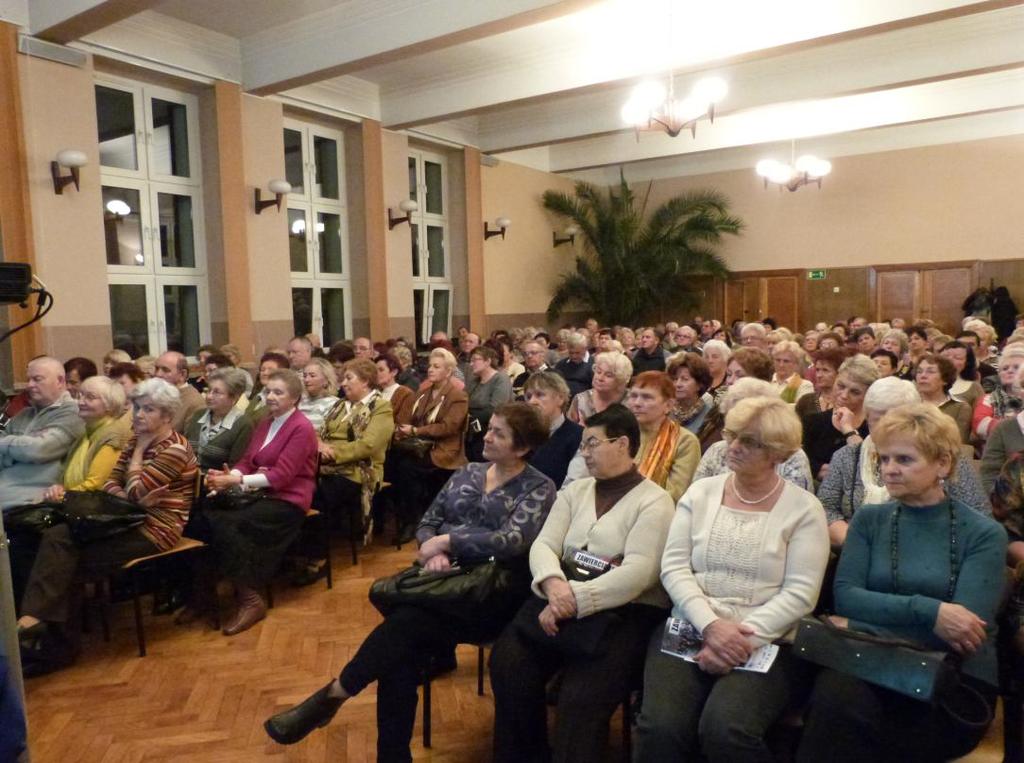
column 429, row 442
column 923, row 567
column 854, row 480
column 790, row 361
column 320, row 388
column 612, row 371
column 743, row 562
column 796, row 468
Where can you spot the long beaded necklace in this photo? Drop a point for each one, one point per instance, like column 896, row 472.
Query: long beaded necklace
column 736, row 492
column 894, row 547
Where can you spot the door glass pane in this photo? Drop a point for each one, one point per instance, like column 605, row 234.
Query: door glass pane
column 115, row 118
column 416, row 251
column 332, row 314
column 177, row 240
column 302, row 311
column 293, row 160
column 419, row 311
column 413, row 190
column 439, row 305
column 122, row 226
column 325, row 157
column 129, row 318
column 297, row 249
column 432, row 171
column 181, row 318
column 328, row 233
column 170, row 139
column 435, row 251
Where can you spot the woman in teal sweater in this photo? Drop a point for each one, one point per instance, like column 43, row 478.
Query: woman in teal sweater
column 922, row 567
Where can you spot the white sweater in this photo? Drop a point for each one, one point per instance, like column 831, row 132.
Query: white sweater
column 634, row 528
column 785, row 570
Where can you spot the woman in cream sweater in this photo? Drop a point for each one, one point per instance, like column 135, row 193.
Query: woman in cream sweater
column 743, row 563
column 597, row 596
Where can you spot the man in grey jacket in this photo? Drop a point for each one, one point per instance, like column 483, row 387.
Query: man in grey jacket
column 39, row 437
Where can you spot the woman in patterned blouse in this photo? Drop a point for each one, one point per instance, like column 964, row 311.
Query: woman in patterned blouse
column 491, row 509
column 156, row 470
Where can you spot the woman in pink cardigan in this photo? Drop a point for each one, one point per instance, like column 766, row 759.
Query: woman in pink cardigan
column 280, row 466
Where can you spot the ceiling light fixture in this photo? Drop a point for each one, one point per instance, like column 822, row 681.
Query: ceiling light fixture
column 797, row 173
column 652, row 106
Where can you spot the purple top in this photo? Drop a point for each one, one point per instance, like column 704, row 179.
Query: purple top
column 502, row 523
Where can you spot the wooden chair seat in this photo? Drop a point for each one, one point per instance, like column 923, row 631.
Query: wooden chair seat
column 185, row 544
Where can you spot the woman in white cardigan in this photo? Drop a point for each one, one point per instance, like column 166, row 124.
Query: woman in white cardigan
column 744, row 561
column 593, row 627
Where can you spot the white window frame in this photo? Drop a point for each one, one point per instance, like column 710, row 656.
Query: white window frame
column 311, row 205
column 152, row 273
column 421, row 220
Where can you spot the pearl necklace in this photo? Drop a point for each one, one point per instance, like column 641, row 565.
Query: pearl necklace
column 766, row 496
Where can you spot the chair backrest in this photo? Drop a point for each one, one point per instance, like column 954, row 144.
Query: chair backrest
column 197, row 487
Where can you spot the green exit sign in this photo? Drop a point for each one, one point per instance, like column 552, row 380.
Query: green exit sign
column 816, row 275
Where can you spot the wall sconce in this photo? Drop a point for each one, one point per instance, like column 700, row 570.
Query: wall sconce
column 408, row 206
column 277, row 187
column 72, row 160
column 502, row 223
column 570, row 236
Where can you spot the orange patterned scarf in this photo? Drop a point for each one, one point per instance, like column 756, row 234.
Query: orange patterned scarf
column 657, row 462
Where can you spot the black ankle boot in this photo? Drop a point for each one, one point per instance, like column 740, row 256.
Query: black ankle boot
column 312, row 713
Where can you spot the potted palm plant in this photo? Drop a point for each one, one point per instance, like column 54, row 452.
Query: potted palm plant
column 634, row 266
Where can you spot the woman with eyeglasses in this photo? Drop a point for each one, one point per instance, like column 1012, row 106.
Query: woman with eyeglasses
column 744, row 561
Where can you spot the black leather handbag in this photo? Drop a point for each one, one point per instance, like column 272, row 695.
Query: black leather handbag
column 417, row 448
column 32, row 518
column 94, row 515
column 457, row 591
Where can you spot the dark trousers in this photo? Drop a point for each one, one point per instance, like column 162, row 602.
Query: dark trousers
column 50, row 591
column 339, row 496
column 591, row 689
column 687, row 712
column 416, row 484
column 852, row 720
column 394, row 655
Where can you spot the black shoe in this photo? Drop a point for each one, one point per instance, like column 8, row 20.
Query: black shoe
column 170, row 603
column 407, row 534
column 310, row 574
column 314, row 712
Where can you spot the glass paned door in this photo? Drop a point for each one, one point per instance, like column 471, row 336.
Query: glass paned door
column 116, row 121
column 434, row 180
column 176, row 234
column 181, row 318
column 294, row 166
column 435, row 252
column 328, row 236
column 419, row 311
column 332, row 315
column 440, row 309
column 131, row 318
column 123, row 229
column 302, row 310
column 325, row 162
column 298, row 241
column 169, row 149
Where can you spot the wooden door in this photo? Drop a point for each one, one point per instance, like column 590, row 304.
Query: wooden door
column 942, row 293
column 735, row 300
column 898, row 295
column 779, row 300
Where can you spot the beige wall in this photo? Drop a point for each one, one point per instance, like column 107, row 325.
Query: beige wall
column 521, row 270
column 959, row 201
column 270, row 279
column 60, row 112
column 398, row 242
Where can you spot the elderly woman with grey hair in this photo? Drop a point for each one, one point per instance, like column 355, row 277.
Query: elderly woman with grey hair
column 796, row 468
column 612, row 371
column 220, row 434
column 854, row 478
column 157, row 471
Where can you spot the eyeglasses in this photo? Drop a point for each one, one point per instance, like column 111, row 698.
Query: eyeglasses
column 589, row 444
column 749, row 442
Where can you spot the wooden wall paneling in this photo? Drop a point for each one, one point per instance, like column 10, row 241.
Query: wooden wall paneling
column 898, row 295
column 943, row 290
column 733, row 301
column 819, row 302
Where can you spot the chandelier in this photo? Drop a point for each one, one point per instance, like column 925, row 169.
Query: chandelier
column 797, row 173
column 652, row 106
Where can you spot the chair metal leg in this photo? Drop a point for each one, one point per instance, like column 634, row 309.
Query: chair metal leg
column 480, row 670
column 327, row 551
column 355, row 521
column 139, row 632
column 426, row 710
column 105, row 608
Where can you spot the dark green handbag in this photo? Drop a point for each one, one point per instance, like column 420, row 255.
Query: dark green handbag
column 94, row 514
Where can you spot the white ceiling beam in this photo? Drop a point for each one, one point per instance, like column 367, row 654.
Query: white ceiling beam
column 356, row 35
column 619, row 41
column 783, row 122
column 931, row 133
column 946, row 49
column 69, row 20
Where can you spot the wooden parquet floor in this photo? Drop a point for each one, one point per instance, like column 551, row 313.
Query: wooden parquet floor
column 200, row 696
